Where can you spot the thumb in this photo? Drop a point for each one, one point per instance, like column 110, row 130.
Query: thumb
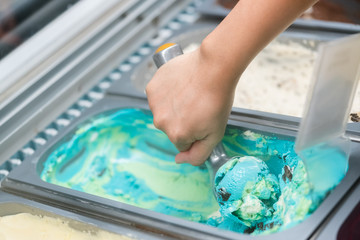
column 196, row 154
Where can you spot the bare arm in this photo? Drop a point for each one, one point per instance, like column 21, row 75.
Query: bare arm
column 191, row 96
column 248, row 28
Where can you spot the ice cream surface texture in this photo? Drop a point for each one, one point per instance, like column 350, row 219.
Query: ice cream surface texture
column 120, row 155
column 246, row 190
column 33, row 227
column 267, row 190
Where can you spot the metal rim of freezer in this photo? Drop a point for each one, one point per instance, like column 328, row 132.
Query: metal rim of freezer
column 11, row 205
column 78, row 70
column 24, row 180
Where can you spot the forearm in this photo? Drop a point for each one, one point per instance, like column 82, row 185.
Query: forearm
column 248, row 28
column 191, row 96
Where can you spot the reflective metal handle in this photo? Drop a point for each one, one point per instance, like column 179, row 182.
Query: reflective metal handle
column 165, row 53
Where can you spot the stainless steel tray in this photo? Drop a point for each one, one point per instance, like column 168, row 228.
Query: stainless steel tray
column 337, row 226
column 133, row 81
column 11, row 204
column 25, row 181
column 127, row 91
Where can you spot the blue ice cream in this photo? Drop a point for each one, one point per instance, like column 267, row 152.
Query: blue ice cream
column 120, row 155
column 267, row 192
column 246, row 190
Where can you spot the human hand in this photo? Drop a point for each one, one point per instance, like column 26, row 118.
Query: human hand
column 191, row 102
column 191, row 95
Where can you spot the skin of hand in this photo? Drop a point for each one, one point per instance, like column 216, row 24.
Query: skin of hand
column 190, row 105
column 191, row 95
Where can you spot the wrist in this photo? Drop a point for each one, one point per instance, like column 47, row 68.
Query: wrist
column 220, row 65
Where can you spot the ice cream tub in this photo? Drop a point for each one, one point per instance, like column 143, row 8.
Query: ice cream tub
column 158, row 196
column 279, row 76
column 189, row 37
column 21, row 218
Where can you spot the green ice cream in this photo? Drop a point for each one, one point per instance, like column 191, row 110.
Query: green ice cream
column 120, row 155
column 266, row 193
column 246, row 190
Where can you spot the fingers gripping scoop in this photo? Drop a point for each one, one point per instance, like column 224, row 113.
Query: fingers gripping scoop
column 218, row 157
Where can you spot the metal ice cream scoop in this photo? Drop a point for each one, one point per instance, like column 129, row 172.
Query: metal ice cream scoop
column 218, row 156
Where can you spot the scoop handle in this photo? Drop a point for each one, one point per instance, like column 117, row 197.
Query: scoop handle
column 165, row 53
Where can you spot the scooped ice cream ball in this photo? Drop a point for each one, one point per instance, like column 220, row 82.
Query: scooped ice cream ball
column 246, row 190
